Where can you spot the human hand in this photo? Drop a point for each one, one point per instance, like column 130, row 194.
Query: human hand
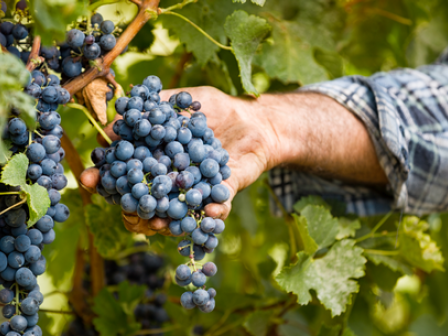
column 248, row 137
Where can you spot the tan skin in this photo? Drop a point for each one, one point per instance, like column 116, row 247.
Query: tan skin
column 307, row 131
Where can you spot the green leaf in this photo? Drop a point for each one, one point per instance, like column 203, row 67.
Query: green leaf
column 392, row 263
column 331, row 276
column 246, row 32
column 288, row 56
column 14, row 174
column 38, row 202
column 112, row 318
column 104, row 221
column 309, row 243
column 210, row 16
column 417, row 247
column 129, row 296
column 257, row 322
column 322, row 227
column 51, row 18
column 310, row 200
column 347, row 227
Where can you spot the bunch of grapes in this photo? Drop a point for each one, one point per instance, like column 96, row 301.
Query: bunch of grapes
column 171, row 166
column 21, row 260
column 82, row 45
column 140, row 269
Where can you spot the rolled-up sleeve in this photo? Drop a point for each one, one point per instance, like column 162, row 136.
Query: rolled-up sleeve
column 406, row 114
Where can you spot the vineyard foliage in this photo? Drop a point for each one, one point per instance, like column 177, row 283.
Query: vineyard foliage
column 318, row 271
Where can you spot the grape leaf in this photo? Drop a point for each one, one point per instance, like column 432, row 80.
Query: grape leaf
column 347, row 228
column 310, row 200
column 14, row 174
column 246, row 32
column 105, row 224
column 309, row 243
column 257, row 322
column 417, row 247
column 38, row 202
column 210, row 16
column 112, row 318
column 392, row 263
column 288, row 56
column 129, row 296
column 330, row 276
column 321, row 226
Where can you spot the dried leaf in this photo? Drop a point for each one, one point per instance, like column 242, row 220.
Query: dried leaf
column 94, row 95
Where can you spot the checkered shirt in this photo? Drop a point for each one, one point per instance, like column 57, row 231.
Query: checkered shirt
column 406, row 114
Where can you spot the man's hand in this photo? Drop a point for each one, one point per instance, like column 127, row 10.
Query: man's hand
column 250, row 141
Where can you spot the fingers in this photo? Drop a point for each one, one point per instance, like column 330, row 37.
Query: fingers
column 90, row 178
column 149, row 227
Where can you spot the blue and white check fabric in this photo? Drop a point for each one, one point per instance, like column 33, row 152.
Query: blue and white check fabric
column 406, row 114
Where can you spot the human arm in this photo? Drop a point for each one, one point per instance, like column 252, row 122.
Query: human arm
column 307, row 130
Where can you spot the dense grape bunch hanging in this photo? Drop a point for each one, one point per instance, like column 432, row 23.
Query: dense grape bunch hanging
column 171, row 166
column 83, row 44
column 21, row 260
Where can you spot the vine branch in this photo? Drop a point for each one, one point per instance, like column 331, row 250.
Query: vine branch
column 222, row 46
column 34, row 59
column 147, row 10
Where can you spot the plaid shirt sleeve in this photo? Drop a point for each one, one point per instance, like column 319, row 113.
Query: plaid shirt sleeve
column 406, row 114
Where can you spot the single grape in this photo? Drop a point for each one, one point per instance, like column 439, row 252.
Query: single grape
column 107, row 27
column 107, row 42
column 209, row 269
column 175, row 229
column 188, row 224
column 198, row 279
column 208, row 306
column 220, row 193
column 200, row 297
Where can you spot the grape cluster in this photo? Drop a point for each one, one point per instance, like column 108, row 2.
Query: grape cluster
column 82, row 45
column 140, row 269
column 167, row 165
column 90, row 43
column 21, row 260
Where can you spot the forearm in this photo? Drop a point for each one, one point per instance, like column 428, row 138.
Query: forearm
column 317, row 134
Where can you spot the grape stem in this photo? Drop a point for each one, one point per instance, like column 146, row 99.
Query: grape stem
column 10, row 193
column 13, row 206
column 93, row 121
column 222, row 46
column 119, row 92
column 382, row 252
column 179, row 5
column 372, row 233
